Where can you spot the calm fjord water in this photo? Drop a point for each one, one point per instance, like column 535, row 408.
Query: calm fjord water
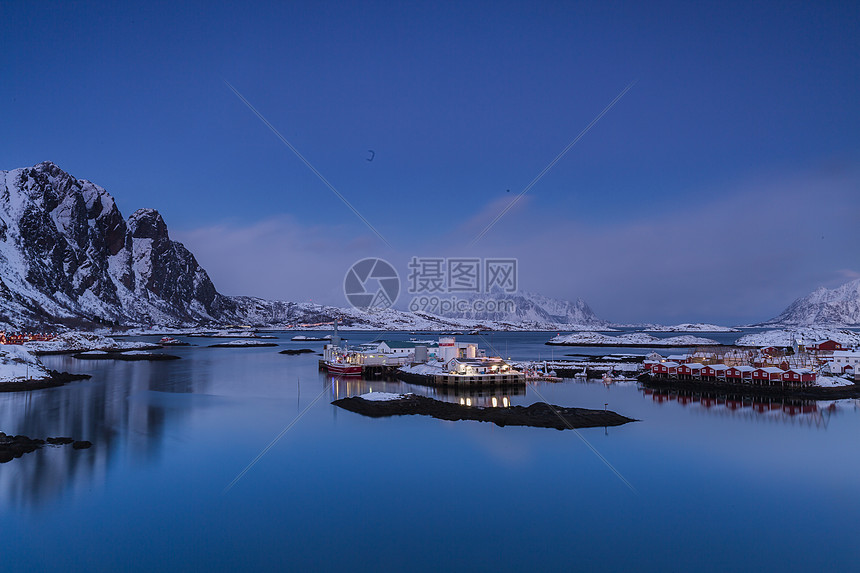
column 715, row 488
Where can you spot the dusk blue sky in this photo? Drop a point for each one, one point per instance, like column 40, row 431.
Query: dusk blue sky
column 723, row 185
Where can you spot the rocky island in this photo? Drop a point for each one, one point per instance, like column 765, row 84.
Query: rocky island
column 538, row 415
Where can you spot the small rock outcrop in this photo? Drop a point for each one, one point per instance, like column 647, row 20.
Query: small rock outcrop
column 12, row 447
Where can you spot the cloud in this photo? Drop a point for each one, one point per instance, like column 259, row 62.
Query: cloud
column 497, row 214
column 848, row 274
column 741, row 255
column 277, row 258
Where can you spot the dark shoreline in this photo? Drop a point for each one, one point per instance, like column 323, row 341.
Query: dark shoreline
column 809, row 393
column 56, row 379
column 430, row 380
column 538, row 415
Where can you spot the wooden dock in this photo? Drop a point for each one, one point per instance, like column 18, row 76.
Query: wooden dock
column 392, row 372
column 513, row 379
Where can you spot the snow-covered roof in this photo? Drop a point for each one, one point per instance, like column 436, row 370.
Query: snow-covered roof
column 771, row 370
column 846, row 354
column 479, row 361
column 426, row 369
column 407, row 344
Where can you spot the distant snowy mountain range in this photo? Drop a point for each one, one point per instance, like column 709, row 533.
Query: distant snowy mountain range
column 536, row 309
column 825, row 307
column 68, row 257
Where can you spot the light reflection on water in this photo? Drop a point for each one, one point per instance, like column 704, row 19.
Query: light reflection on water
column 346, row 386
column 723, row 483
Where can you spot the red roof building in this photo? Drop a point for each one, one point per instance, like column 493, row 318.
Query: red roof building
column 824, row 346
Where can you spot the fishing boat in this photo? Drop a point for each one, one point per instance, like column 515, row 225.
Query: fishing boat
column 343, row 369
column 338, row 359
column 170, row 341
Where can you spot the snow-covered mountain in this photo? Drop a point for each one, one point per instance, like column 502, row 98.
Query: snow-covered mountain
column 256, row 311
column 68, row 257
column 535, row 309
column 831, row 307
column 801, row 335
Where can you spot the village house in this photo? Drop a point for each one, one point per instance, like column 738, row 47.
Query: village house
column 844, row 358
column 824, row 346
column 21, row 338
column 475, row 366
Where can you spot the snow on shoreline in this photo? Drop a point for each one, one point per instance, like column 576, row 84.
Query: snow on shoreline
column 154, row 331
column 687, row 327
column 242, row 343
column 225, row 334
column 630, row 339
column 18, row 364
column 82, row 342
column 382, row 396
column 832, row 381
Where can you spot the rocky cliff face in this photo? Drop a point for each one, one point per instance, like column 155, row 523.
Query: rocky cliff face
column 833, row 307
column 67, row 253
